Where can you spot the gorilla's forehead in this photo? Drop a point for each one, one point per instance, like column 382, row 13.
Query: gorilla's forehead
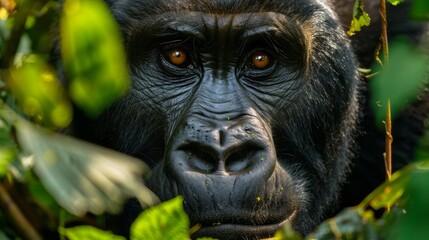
column 197, row 15
column 218, row 31
column 202, row 25
column 145, row 8
column 232, row 6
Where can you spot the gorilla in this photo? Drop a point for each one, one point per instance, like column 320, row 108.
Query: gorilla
column 252, row 110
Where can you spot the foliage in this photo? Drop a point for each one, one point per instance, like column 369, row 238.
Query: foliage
column 93, row 57
column 59, row 179
column 8, row 148
column 407, row 190
column 420, row 9
column 395, row 2
column 400, row 81
column 166, row 221
column 88, row 233
column 44, row 169
column 40, row 95
column 360, row 18
column 83, row 178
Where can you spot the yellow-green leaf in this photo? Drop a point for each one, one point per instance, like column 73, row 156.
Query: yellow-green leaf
column 93, row 55
column 287, row 232
column 360, row 18
column 165, row 221
column 39, row 94
column 395, row 2
column 88, row 233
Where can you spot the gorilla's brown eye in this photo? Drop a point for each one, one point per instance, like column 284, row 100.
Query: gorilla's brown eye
column 177, row 57
column 260, row 60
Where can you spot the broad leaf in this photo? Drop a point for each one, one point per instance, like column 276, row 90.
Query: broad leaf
column 400, row 80
column 93, row 56
column 88, row 233
column 414, row 224
column 420, row 9
column 165, row 221
column 39, row 94
column 82, row 177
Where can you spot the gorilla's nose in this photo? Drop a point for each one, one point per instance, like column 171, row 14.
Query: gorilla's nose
column 233, row 147
column 210, row 158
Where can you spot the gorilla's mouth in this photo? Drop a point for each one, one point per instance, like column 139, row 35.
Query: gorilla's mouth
column 225, row 231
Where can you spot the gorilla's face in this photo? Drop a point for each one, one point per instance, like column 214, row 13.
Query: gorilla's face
column 246, row 108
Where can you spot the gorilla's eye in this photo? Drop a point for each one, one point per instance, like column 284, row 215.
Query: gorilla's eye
column 177, row 57
column 259, row 60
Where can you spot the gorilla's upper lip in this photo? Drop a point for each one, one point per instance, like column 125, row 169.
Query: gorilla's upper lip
column 236, row 231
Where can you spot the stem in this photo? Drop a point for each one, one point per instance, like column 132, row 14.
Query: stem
column 23, row 226
column 384, row 38
column 389, row 140
column 388, row 153
column 388, row 123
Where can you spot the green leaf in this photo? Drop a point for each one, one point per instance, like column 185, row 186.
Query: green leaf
column 395, row 2
column 420, row 9
column 287, row 232
column 3, row 236
column 7, row 155
column 414, row 224
column 42, row 197
column 39, row 93
column 82, row 177
column 93, row 56
column 391, row 192
column 349, row 224
column 400, row 80
column 165, row 221
column 8, row 149
column 88, row 233
column 360, row 18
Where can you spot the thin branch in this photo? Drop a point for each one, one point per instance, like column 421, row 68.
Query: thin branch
column 385, row 46
column 384, row 38
column 388, row 153
column 389, row 140
column 8, row 206
column 388, row 124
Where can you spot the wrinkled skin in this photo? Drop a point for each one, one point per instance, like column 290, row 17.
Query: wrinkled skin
column 249, row 148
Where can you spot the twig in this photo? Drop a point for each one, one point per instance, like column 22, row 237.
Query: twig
column 389, row 140
column 388, row 123
column 25, row 229
column 385, row 46
column 384, row 38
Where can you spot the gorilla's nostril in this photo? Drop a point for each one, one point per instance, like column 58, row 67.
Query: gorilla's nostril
column 243, row 157
column 199, row 157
